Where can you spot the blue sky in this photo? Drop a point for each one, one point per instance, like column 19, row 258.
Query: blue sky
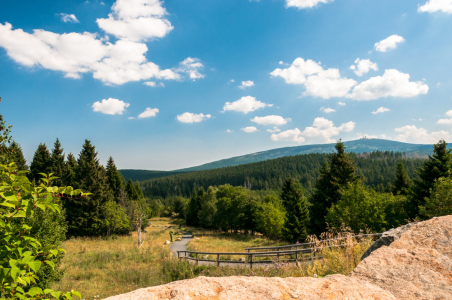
column 170, row 84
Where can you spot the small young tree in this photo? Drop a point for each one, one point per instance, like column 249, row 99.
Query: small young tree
column 402, row 183
column 58, row 165
column 440, row 201
column 41, row 163
column 297, row 213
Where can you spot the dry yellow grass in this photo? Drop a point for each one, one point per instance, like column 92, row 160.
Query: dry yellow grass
column 106, row 267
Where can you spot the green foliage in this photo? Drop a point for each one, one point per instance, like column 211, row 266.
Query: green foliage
column 16, row 155
column 440, row 201
column 208, row 208
column 41, row 163
column 297, row 213
column 402, row 183
column 21, row 254
column 334, row 176
column 58, row 166
column 363, row 209
column 269, row 217
column 116, row 219
column 115, row 179
column 438, row 165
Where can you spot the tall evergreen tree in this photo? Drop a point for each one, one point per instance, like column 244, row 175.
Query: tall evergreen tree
column 402, row 183
column 84, row 215
column 132, row 193
column 58, row 165
column 438, row 165
column 41, row 163
column 297, row 213
column 15, row 151
column 334, row 176
column 69, row 171
column 115, row 179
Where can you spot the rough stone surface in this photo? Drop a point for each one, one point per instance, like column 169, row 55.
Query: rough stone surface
column 417, row 265
column 387, row 238
column 337, row 287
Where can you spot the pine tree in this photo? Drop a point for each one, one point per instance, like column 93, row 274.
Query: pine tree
column 402, row 183
column 334, row 176
column 58, row 165
column 438, row 165
column 15, row 151
column 69, row 171
column 84, row 215
column 41, row 163
column 297, row 213
column 115, row 179
column 132, row 193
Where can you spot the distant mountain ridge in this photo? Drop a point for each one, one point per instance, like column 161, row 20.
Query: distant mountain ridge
column 356, row 146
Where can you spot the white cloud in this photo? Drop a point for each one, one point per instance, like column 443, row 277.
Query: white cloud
column 275, row 129
column 270, row 120
column 149, row 112
column 110, row 106
column 363, row 66
column 231, row 81
column 246, row 84
column 436, row 5
column 446, row 121
column 249, row 129
column 188, row 117
column 327, row 110
column 305, row 3
column 367, row 136
column 229, row 131
column 281, row 62
column 136, row 20
column 392, row 84
column 154, row 84
column 341, row 103
column 318, row 82
column 389, row 43
column 131, row 118
column 245, row 105
column 321, row 131
column 191, row 66
column 411, row 133
column 381, row 110
column 68, row 18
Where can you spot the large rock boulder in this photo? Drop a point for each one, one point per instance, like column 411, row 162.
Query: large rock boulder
column 261, row 288
column 417, row 265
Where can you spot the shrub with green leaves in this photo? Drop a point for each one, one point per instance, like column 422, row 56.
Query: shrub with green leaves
column 440, row 201
column 22, row 255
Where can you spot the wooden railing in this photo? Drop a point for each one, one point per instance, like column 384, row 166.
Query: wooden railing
column 294, row 252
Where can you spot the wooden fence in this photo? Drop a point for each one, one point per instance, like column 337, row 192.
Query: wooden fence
column 296, row 252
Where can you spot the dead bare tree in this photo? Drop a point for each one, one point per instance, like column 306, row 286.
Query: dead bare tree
column 140, row 217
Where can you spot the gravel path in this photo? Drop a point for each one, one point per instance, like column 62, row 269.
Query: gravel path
column 182, row 244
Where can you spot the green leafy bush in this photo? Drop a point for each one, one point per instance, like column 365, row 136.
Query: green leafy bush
column 440, row 201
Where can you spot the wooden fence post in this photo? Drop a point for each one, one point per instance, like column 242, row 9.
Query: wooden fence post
column 251, row 261
column 218, row 260
column 178, row 257
column 197, row 260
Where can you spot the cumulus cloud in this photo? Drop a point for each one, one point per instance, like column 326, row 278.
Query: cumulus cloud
column 154, row 84
column 363, row 66
column 245, row 105
column 77, row 53
column 149, row 112
column 321, row 131
column 327, row 110
column 246, row 84
column 229, row 131
column 305, row 3
column 436, row 5
column 393, row 83
column 381, row 110
column 231, row 81
column 110, row 106
column 191, row 66
column 447, row 121
column 136, row 20
column 341, row 103
column 270, row 120
column 188, row 117
column 68, row 18
column 411, row 133
column 275, row 129
column 318, row 81
column 389, row 43
column 249, row 129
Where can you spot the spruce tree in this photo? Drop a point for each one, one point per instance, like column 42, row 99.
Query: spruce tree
column 85, row 215
column 402, row 183
column 69, row 171
column 132, row 193
column 58, row 165
column 333, row 177
column 297, row 213
column 16, row 154
column 115, row 179
column 41, row 163
column 438, row 165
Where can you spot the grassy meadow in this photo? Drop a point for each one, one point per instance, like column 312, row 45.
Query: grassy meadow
column 103, row 267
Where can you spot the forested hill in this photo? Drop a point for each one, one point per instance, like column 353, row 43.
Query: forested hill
column 356, row 146
column 377, row 169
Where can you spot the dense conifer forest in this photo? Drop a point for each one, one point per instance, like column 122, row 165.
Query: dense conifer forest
column 377, row 170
